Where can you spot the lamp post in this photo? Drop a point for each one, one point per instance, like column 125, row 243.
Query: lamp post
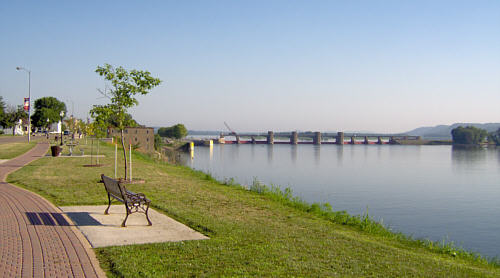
column 29, row 97
column 62, row 115
column 47, row 129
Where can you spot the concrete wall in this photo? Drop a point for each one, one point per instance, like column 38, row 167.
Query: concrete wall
column 294, row 139
column 317, row 138
column 340, row 138
column 270, row 137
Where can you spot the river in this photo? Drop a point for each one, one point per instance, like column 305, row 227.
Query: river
column 434, row 192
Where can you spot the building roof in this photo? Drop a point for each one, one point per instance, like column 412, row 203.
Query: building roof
column 138, row 127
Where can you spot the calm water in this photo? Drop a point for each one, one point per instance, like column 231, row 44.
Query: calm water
column 435, row 192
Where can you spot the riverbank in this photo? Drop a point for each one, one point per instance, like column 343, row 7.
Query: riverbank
column 252, row 234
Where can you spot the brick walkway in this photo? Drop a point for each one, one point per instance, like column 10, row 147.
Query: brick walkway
column 36, row 240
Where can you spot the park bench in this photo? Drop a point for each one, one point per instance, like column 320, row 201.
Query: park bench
column 134, row 202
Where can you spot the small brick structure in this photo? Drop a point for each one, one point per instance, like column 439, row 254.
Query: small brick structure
column 142, row 137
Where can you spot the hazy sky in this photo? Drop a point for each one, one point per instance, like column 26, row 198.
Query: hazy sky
column 384, row 66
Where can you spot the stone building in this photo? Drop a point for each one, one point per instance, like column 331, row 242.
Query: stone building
column 141, row 138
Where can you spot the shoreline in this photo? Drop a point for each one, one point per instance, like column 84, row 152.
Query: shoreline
column 258, row 232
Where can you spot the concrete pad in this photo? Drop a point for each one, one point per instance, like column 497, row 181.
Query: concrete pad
column 105, row 230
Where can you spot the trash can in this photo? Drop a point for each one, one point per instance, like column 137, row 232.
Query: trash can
column 56, row 150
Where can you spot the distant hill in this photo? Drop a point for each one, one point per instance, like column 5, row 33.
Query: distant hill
column 444, row 131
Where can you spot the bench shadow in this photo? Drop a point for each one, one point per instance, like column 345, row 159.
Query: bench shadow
column 46, row 219
column 83, row 219
column 57, row 219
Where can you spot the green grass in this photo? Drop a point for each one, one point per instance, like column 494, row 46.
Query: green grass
column 11, row 150
column 258, row 232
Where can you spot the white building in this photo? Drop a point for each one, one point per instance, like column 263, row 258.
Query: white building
column 56, row 127
column 19, row 128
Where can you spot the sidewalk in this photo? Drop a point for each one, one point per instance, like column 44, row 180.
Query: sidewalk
column 36, row 240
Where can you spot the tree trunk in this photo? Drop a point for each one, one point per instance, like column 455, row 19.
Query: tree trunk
column 124, row 153
column 97, row 152
column 92, row 152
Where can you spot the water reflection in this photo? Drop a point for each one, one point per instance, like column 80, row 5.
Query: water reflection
column 270, row 151
column 467, row 156
column 293, row 154
column 252, row 152
column 340, row 154
column 221, row 152
column 317, row 154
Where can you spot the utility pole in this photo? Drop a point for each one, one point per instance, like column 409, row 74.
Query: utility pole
column 29, row 100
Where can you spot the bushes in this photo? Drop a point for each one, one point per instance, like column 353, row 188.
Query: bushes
column 468, row 135
column 177, row 131
column 495, row 137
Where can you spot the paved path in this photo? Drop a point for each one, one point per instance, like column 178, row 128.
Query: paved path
column 36, row 240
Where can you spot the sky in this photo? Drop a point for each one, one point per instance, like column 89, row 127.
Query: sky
column 380, row 66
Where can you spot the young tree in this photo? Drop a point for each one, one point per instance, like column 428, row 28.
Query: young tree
column 125, row 86
column 128, row 120
column 99, row 126
column 158, row 142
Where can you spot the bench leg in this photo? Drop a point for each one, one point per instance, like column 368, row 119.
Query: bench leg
column 147, row 217
column 128, row 213
column 109, row 204
column 125, row 220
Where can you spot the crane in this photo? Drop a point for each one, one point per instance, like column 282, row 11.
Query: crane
column 233, row 132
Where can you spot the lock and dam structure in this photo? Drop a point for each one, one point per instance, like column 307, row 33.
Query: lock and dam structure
column 315, row 138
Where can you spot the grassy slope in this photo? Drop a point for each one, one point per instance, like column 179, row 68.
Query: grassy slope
column 251, row 235
column 10, row 150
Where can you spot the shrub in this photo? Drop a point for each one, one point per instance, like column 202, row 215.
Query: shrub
column 468, row 135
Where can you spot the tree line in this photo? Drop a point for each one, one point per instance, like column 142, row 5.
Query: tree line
column 47, row 111
column 471, row 135
column 10, row 115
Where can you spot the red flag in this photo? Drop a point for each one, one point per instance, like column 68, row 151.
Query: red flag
column 26, row 104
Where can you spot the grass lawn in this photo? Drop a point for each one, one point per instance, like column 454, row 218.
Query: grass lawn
column 251, row 234
column 11, row 150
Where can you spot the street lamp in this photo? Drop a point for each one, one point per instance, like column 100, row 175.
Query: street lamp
column 29, row 100
column 62, row 115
